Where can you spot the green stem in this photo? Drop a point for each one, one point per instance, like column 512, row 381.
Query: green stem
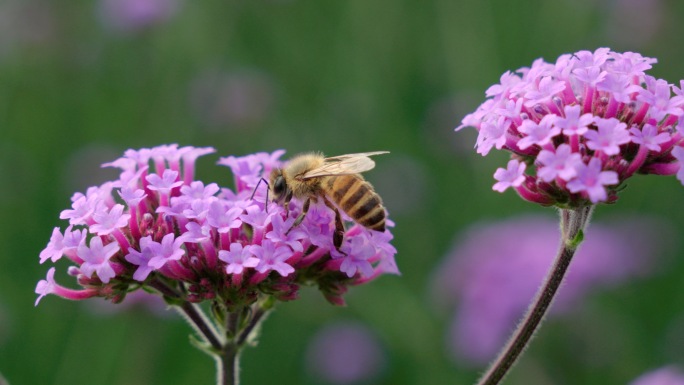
column 201, row 323
column 256, row 319
column 228, row 365
column 228, row 358
column 573, row 223
column 192, row 313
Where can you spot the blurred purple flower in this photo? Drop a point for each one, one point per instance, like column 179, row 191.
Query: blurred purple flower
column 345, row 353
column 136, row 15
column 495, row 269
column 669, row 375
column 237, row 99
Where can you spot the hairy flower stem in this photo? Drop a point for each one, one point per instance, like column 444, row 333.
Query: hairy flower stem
column 228, row 365
column 237, row 331
column 191, row 312
column 573, row 223
column 238, row 335
column 201, row 323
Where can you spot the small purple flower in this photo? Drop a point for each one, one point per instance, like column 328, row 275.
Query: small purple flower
column 492, row 135
column 132, row 196
column 142, row 258
column 81, row 212
column 197, row 233
column 198, row 209
column 539, row 134
column 60, row 244
column 573, row 123
column 108, row 221
column 611, row 133
column 238, row 258
column 544, row 92
column 165, row 183
column 359, row 252
column 319, row 230
column 46, row 286
column 619, row 86
column 96, row 259
column 256, row 216
column 657, row 95
column 511, row 176
column 649, row 137
column 591, row 75
column 168, row 250
column 507, row 80
column 591, row 180
column 223, row 218
column 282, row 232
column 272, row 257
column 198, row 191
column 561, row 164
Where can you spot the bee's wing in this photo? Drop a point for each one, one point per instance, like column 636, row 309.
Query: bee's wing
column 344, row 165
column 360, row 154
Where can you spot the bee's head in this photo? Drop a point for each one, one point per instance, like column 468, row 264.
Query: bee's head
column 278, row 185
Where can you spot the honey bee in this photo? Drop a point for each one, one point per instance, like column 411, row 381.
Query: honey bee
column 311, row 176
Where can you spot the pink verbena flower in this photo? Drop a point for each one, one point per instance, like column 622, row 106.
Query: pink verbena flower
column 511, row 176
column 156, row 226
column 585, row 110
column 495, row 268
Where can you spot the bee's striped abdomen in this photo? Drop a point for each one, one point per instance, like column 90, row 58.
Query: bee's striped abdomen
column 357, row 198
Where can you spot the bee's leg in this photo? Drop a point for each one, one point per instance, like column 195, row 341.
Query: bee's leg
column 338, row 235
column 257, row 186
column 300, row 218
column 288, row 198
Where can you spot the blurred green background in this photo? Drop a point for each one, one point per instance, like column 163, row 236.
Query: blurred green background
column 80, row 83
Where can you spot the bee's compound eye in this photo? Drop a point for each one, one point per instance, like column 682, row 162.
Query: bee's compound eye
column 279, row 185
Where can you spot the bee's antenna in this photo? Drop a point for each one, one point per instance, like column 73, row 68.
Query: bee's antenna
column 268, row 187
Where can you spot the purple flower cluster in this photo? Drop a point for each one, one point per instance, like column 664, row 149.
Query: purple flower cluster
column 158, row 227
column 584, row 124
column 495, row 269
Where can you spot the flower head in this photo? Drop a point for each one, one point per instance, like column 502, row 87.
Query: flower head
column 159, row 228
column 582, row 126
